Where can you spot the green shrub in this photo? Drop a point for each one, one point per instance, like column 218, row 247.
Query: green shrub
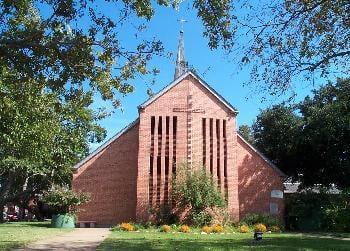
column 138, row 226
column 275, row 229
column 148, row 225
column 194, row 189
column 200, row 218
column 318, row 211
column 266, row 219
column 64, row 201
column 164, row 215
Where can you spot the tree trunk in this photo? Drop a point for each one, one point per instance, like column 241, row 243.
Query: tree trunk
column 2, row 206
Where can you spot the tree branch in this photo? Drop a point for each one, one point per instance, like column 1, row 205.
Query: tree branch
column 314, row 66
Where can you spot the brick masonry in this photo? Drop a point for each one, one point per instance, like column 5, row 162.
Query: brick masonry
column 110, row 178
column 118, row 176
column 256, row 181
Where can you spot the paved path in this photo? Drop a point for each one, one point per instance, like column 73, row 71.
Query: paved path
column 79, row 239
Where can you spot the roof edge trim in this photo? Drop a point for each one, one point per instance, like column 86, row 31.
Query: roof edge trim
column 106, row 144
column 179, row 79
column 282, row 174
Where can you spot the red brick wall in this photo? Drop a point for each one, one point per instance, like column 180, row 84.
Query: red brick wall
column 163, row 106
column 118, row 177
column 110, row 178
column 256, row 181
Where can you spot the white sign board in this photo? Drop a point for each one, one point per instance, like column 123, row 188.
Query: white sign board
column 277, row 194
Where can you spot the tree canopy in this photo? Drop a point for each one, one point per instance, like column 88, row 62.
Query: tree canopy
column 41, row 138
column 284, row 41
column 55, row 57
column 73, row 45
column 246, row 132
column 310, row 141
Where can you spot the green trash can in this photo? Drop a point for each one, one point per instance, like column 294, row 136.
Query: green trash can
column 63, row 221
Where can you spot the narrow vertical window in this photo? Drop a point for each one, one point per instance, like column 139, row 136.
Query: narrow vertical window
column 167, row 119
column 159, row 162
column 174, row 144
column 150, row 191
column 153, row 121
column 204, row 141
column 160, row 135
column 166, row 185
column 225, row 157
column 159, row 158
column 211, row 144
column 151, row 159
column 218, row 174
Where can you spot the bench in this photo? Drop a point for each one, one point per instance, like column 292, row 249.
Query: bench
column 90, row 224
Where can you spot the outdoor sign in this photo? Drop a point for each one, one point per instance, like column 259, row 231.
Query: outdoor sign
column 277, row 194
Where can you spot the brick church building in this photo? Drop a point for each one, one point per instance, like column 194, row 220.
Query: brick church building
column 187, row 121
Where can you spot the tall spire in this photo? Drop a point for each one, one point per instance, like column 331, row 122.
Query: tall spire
column 181, row 64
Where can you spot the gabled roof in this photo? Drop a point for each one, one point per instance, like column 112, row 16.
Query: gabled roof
column 105, row 145
column 201, row 81
column 282, row 174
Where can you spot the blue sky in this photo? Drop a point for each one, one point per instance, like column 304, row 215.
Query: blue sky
column 214, row 67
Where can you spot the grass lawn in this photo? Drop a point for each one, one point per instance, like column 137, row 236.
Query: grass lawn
column 17, row 234
column 233, row 241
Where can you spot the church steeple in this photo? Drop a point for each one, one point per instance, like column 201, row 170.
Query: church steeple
column 181, row 64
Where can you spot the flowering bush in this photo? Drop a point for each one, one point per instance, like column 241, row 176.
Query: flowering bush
column 244, row 229
column 259, row 227
column 207, row 229
column 185, row 229
column 218, row 229
column 63, row 201
column 165, row 228
column 127, row 227
column 275, row 229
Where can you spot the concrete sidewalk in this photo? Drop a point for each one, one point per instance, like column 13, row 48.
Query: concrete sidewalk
column 78, row 239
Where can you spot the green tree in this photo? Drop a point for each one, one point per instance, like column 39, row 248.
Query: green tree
column 324, row 147
column 194, row 190
column 246, row 132
column 41, row 138
column 55, row 56
column 286, row 40
column 275, row 132
column 73, row 45
column 311, row 140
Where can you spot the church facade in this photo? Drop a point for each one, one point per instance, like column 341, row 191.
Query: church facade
column 187, row 122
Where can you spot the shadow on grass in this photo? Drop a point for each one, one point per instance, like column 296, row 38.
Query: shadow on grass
column 9, row 245
column 43, row 224
column 269, row 243
column 329, row 234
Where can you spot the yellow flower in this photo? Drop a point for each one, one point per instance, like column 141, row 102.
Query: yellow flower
column 127, row 227
column 185, row 229
column 244, row 229
column 259, row 227
column 207, row 229
column 218, row 229
column 165, row 228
